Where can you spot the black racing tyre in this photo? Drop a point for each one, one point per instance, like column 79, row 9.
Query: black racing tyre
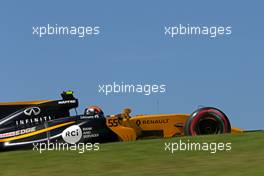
column 207, row 120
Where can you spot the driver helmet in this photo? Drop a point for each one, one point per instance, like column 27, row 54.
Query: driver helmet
column 93, row 110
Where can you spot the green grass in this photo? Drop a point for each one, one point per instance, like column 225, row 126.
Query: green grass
column 146, row 157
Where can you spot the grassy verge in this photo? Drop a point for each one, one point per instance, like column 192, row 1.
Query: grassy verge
column 146, row 157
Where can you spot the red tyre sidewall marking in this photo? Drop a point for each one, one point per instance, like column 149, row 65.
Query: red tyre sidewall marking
column 201, row 113
column 195, row 120
column 222, row 117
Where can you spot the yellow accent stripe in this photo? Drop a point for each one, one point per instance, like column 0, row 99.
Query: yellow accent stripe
column 24, row 103
column 35, row 132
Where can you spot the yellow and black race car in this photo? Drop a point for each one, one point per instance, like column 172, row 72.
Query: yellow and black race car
column 25, row 123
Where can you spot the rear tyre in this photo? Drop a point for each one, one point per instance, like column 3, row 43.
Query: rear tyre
column 207, row 120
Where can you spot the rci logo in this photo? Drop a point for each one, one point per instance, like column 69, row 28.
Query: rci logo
column 72, row 134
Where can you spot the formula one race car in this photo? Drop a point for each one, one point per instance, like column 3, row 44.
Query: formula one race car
column 25, row 123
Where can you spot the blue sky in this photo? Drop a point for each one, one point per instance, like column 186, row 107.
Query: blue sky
column 226, row 72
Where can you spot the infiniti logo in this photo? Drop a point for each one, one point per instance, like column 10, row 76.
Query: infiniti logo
column 32, row 111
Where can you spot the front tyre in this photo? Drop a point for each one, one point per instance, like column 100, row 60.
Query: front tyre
column 207, row 120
